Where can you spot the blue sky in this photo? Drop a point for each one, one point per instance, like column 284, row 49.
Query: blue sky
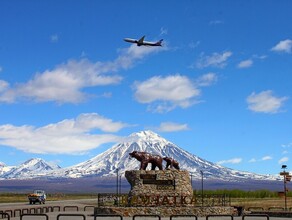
column 220, row 87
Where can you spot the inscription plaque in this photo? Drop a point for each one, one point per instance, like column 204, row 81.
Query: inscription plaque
column 158, row 182
column 148, row 176
column 165, row 182
column 165, row 187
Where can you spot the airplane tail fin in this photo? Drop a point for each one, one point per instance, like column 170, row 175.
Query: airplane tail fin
column 159, row 42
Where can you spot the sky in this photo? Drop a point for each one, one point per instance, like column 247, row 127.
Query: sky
column 219, row 87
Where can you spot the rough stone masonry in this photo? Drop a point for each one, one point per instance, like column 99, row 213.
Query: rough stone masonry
column 159, row 187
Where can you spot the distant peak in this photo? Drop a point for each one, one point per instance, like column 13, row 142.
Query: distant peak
column 35, row 161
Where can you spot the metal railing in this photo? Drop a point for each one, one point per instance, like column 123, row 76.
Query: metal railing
column 123, row 200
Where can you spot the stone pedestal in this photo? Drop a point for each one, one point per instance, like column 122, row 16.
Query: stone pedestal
column 166, row 211
column 160, row 187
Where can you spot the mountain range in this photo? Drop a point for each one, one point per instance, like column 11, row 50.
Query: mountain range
column 117, row 158
column 35, row 167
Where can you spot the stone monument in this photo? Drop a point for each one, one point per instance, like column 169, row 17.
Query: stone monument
column 169, row 187
column 160, row 188
column 164, row 192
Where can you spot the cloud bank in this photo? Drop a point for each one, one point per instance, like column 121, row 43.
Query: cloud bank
column 70, row 136
column 65, row 83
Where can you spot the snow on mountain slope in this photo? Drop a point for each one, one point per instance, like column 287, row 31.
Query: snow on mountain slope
column 30, row 169
column 4, row 168
column 117, row 157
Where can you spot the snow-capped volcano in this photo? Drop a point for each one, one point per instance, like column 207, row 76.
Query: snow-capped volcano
column 117, row 157
column 35, row 167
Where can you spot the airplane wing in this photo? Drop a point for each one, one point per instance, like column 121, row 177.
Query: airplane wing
column 141, row 40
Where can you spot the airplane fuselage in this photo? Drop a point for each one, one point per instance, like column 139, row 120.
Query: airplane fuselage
column 141, row 42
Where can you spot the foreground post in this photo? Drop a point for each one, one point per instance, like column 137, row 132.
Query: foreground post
column 202, row 182
column 287, row 178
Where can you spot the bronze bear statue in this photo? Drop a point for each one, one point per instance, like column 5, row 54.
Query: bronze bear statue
column 171, row 162
column 145, row 158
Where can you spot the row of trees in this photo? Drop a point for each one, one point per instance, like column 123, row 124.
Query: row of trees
column 236, row 193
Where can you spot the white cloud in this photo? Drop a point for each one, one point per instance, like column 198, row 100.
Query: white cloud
column 83, row 54
column 90, row 121
column 171, row 126
column 3, row 85
column 207, row 79
column 70, row 136
column 216, row 22
column 54, row 38
column 62, row 84
column 164, row 94
column 286, row 145
column 245, row 64
column 215, row 60
column 283, row 160
column 283, row 46
column 129, row 56
column 253, row 160
column 65, row 83
column 260, row 57
column 265, row 102
column 170, row 91
column 231, row 161
column 163, row 31
column 267, row 158
column 194, row 44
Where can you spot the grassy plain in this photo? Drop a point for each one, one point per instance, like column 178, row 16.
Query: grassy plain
column 264, row 202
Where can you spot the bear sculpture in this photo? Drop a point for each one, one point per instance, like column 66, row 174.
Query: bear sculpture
column 145, row 158
column 170, row 162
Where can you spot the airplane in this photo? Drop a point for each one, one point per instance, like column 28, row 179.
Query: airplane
column 141, row 42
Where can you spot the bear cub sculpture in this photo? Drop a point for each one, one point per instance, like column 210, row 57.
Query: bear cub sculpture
column 170, row 162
